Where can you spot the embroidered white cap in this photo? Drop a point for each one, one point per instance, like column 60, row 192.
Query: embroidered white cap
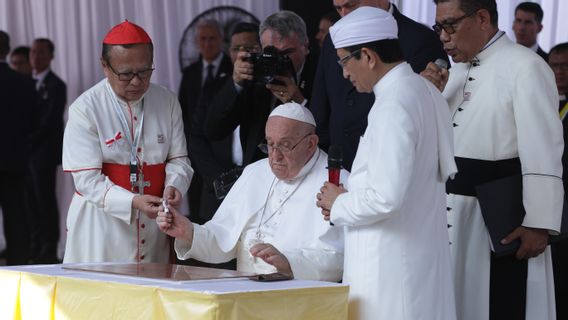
column 363, row 25
column 294, row 111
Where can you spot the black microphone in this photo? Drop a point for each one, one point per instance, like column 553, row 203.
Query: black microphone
column 334, row 165
column 441, row 63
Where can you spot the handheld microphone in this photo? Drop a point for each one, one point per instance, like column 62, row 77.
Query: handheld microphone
column 441, row 63
column 334, row 163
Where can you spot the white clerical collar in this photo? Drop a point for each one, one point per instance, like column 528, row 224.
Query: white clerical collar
column 306, row 168
column 496, row 37
column 534, row 47
column 390, row 76
column 562, row 97
column 490, row 46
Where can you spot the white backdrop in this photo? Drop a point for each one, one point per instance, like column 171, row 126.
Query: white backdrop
column 78, row 26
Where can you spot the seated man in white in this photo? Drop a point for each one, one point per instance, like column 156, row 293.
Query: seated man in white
column 269, row 220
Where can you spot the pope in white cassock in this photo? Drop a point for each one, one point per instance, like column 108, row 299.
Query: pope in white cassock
column 504, row 103
column 125, row 148
column 397, row 255
column 269, row 220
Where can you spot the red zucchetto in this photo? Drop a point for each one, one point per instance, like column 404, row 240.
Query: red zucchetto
column 126, row 33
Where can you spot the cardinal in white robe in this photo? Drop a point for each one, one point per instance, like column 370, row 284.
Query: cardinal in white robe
column 269, row 220
column 125, row 148
column 397, row 257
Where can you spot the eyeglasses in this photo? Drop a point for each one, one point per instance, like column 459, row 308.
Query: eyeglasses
column 344, row 60
column 450, row 26
column 266, row 148
column 128, row 76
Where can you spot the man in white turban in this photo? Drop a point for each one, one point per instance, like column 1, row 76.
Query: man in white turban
column 397, row 258
column 269, row 220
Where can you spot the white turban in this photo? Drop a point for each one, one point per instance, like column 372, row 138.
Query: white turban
column 294, row 111
column 363, row 25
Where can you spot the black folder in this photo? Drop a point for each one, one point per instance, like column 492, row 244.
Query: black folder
column 501, row 203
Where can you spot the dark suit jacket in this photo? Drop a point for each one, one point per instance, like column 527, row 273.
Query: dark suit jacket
column 209, row 158
column 47, row 141
column 17, row 103
column 565, row 153
column 340, row 111
column 560, row 249
column 250, row 110
column 542, row 53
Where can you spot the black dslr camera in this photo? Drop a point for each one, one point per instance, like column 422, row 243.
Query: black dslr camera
column 270, row 63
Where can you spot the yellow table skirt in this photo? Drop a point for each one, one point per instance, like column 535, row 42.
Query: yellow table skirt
column 27, row 295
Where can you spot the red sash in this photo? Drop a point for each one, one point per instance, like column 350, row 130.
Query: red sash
column 119, row 174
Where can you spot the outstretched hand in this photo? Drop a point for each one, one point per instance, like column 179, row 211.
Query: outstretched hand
column 175, row 224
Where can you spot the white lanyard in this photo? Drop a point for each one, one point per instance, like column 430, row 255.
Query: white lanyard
column 134, row 142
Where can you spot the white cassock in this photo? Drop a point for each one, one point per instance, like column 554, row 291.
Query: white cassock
column 505, row 106
column 291, row 222
column 101, row 224
column 397, row 257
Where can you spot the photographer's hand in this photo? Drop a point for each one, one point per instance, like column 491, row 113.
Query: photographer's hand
column 242, row 70
column 286, row 92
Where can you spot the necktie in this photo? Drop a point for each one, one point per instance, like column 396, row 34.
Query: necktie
column 209, row 78
column 207, row 87
column 563, row 108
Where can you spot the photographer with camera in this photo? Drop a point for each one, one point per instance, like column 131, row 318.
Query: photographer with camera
column 261, row 80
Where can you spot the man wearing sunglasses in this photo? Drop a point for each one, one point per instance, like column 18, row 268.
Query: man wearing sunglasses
column 504, row 104
column 125, row 148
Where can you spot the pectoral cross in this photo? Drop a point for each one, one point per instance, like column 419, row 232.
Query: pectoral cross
column 140, row 183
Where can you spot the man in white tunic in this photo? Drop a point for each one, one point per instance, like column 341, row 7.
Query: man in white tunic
column 397, row 258
column 125, row 148
column 268, row 220
column 504, row 104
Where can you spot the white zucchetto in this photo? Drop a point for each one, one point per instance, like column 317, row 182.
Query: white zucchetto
column 294, row 111
column 363, row 25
